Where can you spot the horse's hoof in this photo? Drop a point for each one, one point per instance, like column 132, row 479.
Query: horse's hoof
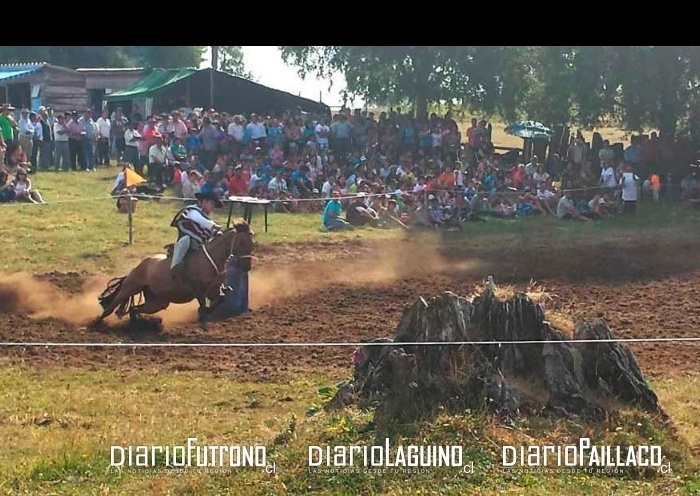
column 96, row 325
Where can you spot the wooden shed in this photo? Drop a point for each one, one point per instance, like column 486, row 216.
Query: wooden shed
column 40, row 83
column 103, row 81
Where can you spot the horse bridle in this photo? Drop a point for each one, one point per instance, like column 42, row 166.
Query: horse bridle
column 235, row 257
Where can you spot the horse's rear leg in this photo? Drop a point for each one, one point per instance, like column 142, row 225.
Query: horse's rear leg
column 128, row 289
column 150, row 306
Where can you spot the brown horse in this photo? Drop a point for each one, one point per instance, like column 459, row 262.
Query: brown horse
column 203, row 277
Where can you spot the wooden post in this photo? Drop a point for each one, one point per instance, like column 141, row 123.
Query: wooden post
column 130, row 210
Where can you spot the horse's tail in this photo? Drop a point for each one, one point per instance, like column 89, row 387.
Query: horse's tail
column 111, row 292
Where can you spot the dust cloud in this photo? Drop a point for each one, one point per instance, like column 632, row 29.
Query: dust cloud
column 40, row 299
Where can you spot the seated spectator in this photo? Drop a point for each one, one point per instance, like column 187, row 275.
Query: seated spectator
column 359, row 214
column 23, row 188
column 332, row 220
column 191, row 186
column 7, row 192
column 566, row 208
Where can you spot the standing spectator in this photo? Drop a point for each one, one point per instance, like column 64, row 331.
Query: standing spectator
column 341, row 131
column 210, row 143
column 37, row 140
column 104, row 131
column 630, row 184
column 89, row 133
column 235, row 134
column 633, row 153
column 75, row 142
column 118, row 128
column 26, row 132
column 7, row 125
column 157, row 160
column 63, row 158
column 177, row 127
column 131, row 143
column 257, row 130
column 47, row 144
column 607, row 175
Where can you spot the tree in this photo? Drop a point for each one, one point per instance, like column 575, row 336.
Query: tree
column 460, row 75
column 105, row 56
column 231, row 61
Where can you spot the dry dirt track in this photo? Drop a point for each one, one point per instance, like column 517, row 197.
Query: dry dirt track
column 358, row 290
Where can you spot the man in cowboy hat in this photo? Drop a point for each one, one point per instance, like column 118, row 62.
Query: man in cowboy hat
column 195, row 228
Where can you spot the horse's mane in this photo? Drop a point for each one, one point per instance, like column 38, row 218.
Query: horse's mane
column 241, row 226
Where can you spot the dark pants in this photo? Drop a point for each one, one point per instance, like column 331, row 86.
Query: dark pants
column 45, row 155
column 629, row 207
column 77, row 154
column 155, row 173
column 103, row 151
column 35, row 154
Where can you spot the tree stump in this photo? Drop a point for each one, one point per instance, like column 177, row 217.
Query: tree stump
column 410, row 379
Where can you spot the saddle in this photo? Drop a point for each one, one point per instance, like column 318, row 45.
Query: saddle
column 170, row 247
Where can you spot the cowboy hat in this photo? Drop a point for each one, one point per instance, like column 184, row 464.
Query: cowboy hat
column 209, row 196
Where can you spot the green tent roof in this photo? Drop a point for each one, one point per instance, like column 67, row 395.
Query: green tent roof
column 154, row 81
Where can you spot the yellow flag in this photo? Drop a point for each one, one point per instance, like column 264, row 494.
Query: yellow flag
column 131, row 178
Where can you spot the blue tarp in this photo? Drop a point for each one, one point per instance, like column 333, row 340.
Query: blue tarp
column 10, row 72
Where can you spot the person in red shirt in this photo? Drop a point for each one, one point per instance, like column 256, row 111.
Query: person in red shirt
column 237, row 184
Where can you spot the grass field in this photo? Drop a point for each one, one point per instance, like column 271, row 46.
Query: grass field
column 57, row 423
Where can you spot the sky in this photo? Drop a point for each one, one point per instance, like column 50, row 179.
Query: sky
column 268, row 68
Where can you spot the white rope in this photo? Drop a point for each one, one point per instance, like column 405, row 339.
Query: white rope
column 341, row 344
column 349, row 197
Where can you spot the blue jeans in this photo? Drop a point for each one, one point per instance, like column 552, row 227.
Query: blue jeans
column 338, row 224
column 89, row 154
column 236, row 302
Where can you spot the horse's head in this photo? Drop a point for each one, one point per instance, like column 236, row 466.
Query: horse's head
column 242, row 244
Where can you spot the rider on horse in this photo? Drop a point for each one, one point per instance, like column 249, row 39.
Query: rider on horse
column 194, row 229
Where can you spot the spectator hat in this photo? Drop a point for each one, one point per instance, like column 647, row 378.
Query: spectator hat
column 209, row 196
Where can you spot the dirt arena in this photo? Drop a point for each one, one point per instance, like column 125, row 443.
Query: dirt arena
column 323, row 292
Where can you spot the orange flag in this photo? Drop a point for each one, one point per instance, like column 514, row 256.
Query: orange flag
column 131, row 178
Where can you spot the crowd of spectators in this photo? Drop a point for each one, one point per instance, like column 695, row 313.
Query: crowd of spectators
column 356, row 168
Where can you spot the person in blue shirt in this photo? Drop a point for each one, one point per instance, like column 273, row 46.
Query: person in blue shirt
column 192, row 142
column 332, row 220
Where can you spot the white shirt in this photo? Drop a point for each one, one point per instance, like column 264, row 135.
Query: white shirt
column 129, row 135
column 157, row 154
column 26, row 128
column 235, row 131
column 322, row 133
column 629, row 186
column 326, row 189
column 103, row 127
column 257, row 130
column 56, row 132
column 276, row 185
column 607, row 177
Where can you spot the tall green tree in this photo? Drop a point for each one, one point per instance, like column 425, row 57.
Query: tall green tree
column 231, row 61
column 105, row 56
column 481, row 77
